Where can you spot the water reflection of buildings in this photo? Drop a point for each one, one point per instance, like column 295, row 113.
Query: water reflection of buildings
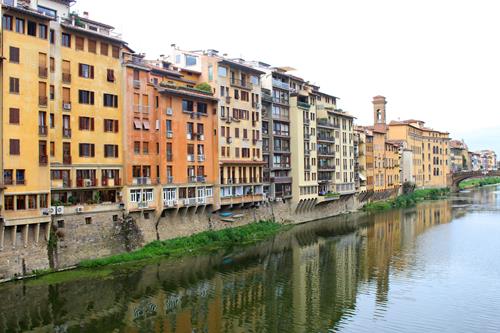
column 306, row 280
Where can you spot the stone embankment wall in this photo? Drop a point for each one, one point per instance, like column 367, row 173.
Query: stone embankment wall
column 74, row 237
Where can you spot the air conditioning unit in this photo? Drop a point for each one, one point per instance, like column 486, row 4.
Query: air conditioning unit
column 52, row 210
column 79, row 209
column 87, row 182
column 157, row 125
column 175, row 202
column 186, row 202
column 170, row 134
column 45, row 211
column 201, row 137
column 59, row 210
column 67, row 106
column 189, row 136
column 170, row 111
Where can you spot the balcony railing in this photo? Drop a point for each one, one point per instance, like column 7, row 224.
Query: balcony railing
column 66, row 159
column 281, row 166
column 43, row 159
column 325, row 123
column 42, row 72
column 303, row 105
column 325, row 137
column 86, row 182
column 170, row 157
column 141, row 181
column 326, row 167
column 281, row 84
column 66, row 132
column 42, row 130
column 282, row 117
column 42, row 101
column 201, row 158
column 241, row 83
column 280, row 101
column 111, row 182
column 326, row 152
column 66, row 77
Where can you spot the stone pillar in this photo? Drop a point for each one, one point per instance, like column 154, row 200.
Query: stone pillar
column 37, row 233
column 14, row 237
column 26, row 233
column 2, row 235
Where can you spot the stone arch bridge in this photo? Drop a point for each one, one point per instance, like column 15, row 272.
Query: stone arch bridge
column 454, row 179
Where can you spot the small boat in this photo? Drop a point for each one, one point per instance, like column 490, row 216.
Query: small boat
column 225, row 214
column 237, row 216
column 227, row 220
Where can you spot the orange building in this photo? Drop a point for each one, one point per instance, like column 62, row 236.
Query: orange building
column 171, row 147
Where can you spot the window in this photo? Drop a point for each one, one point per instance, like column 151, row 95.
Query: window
column 47, row 11
column 52, row 35
column 202, row 107
column 110, row 76
column 190, row 60
column 110, row 150
column 52, row 148
column 20, row 25
column 92, row 45
column 51, row 120
column 20, row 177
column 52, row 92
column 88, row 220
column 85, row 124
column 86, row 150
column 14, row 146
column 86, row 71
column 66, row 39
column 86, row 97
column 115, row 52
column 32, row 201
column 9, row 202
column 32, row 28
column 210, row 73
column 137, row 147
column 20, row 202
column 14, row 54
column 104, row 48
column 115, row 218
column 110, row 125
column 43, row 200
column 7, row 22
column 14, row 85
column 110, row 100
column 222, row 71
column 42, row 31
column 7, row 176
column 79, row 43
column 14, row 116
column 187, row 105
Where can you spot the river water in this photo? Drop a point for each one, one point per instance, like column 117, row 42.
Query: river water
column 432, row 268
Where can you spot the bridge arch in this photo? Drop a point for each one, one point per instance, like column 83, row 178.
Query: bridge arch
column 456, row 178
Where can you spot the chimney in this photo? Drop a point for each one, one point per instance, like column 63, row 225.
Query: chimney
column 86, row 15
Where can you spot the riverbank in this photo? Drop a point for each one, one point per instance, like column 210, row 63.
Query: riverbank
column 406, row 200
column 479, row 182
column 194, row 244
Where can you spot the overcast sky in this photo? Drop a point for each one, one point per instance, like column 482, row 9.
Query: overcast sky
column 434, row 60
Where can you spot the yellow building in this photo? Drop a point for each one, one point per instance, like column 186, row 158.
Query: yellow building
column 61, row 101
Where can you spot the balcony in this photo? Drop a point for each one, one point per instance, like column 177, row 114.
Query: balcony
column 326, row 152
column 281, row 117
column 280, row 101
column 66, row 105
column 111, row 182
column 42, row 72
column 66, row 159
column 141, row 108
column 42, row 130
column 322, row 122
column 42, row 101
column 325, row 137
column 326, row 167
column 66, row 77
column 281, row 166
column 85, row 182
column 170, row 180
column 281, row 180
column 281, row 133
column 60, row 183
column 141, row 181
column 267, row 98
column 43, row 159
column 307, row 136
column 66, row 132
column 77, row 24
column 283, row 194
column 281, row 84
column 303, row 105
column 170, row 157
column 241, row 84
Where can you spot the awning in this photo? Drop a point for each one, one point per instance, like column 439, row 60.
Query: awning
column 145, row 123
column 137, row 124
column 363, row 178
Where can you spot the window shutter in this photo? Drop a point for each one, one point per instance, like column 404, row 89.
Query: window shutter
column 116, row 150
column 92, row 151
column 91, row 72
column 115, row 126
column 91, row 124
column 92, row 97
column 80, row 70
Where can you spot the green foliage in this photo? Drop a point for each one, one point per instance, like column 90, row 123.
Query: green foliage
column 332, row 195
column 204, row 87
column 197, row 243
column 479, row 182
column 407, row 200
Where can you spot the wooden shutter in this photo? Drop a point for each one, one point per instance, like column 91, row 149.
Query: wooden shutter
column 116, row 150
column 14, row 116
column 66, row 95
column 80, row 70
column 91, row 124
column 42, row 60
column 91, row 72
column 115, row 127
column 14, row 146
column 92, row 97
column 92, row 150
column 66, row 67
column 79, row 43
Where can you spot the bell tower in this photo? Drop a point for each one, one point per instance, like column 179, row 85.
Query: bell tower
column 379, row 120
